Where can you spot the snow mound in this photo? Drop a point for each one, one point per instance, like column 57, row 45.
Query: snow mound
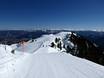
column 45, row 50
column 4, row 50
column 62, row 34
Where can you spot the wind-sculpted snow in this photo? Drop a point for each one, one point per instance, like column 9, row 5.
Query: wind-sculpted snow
column 38, row 60
column 31, row 47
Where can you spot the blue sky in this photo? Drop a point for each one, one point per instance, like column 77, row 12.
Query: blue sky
column 56, row 14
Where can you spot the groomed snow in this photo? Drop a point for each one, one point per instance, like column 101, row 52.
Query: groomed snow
column 38, row 60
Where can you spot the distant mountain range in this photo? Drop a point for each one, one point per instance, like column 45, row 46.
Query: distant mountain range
column 93, row 36
column 15, row 36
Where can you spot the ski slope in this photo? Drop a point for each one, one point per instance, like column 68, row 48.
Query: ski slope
column 38, row 60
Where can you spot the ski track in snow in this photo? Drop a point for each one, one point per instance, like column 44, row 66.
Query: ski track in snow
column 56, row 65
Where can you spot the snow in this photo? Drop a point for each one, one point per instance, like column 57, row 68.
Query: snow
column 38, row 60
column 4, row 51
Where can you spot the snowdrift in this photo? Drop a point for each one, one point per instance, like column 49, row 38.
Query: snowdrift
column 4, row 50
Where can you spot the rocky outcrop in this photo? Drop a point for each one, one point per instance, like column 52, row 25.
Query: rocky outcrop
column 79, row 46
column 86, row 49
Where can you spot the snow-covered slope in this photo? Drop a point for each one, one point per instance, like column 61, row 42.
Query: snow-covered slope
column 37, row 59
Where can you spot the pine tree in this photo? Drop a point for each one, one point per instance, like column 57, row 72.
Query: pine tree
column 52, row 44
column 13, row 51
column 56, row 40
column 59, row 45
column 68, row 49
column 64, row 46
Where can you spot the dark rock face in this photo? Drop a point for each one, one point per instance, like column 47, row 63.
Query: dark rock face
column 86, row 49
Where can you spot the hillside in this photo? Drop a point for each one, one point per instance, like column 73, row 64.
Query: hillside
column 37, row 59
